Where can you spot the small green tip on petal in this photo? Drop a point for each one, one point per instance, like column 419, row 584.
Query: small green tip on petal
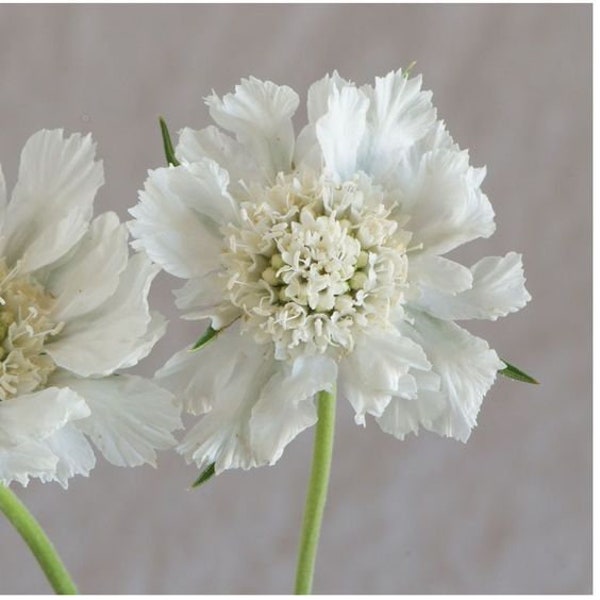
column 512, row 372
column 208, row 335
column 167, row 144
column 408, row 70
column 207, row 474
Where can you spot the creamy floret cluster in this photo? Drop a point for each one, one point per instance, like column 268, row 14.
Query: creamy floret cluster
column 311, row 261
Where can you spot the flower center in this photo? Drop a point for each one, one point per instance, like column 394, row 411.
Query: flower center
column 311, row 262
column 24, row 327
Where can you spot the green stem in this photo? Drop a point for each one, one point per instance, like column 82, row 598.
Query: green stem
column 317, row 492
column 38, row 542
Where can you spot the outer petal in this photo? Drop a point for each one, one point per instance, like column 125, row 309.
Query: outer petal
column 117, row 334
column 210, row 142
column 376, row 370
column 74, row 453
column 341, row 130
column 419, row 405
column 204, row 297
column 52, row 202
column 498, row 289
column 130, row 418
column 223, row 435
column 399, row 115
column 308, row 151
column 34, row 417
column 88, row 275
column 286, row 405
column 260, row 113
column 30, row 459
column 467, row 368
column 441, row 194
column 196, row 377
column 177, row 218
column 430, row 271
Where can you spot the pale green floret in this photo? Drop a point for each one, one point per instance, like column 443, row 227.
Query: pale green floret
column 277, row 261
column 363, row 260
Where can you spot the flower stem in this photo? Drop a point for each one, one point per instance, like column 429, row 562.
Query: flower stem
column 317, row 492
column 38, row 542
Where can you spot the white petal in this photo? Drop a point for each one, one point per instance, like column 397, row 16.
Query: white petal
column 130, row 418
column 118, row 333
column 430, row 271
column 374, row 371
column 177, row 218
column 498, row 289
column 205, row 298
column 260, row 113
column 467, row 368
column 90, row 273
column 52, row 202
column 340, row 131
column 34, row 417
column 419, row 405
column 222, row 436
column 399, row 114
column 441, row 195
column 210, row 142
column 74, row 453
column 196, row 377
column 286, row 404
column 31, row 459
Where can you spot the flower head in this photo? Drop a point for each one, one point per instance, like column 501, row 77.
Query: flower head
column 319, row 261
column 73, row 310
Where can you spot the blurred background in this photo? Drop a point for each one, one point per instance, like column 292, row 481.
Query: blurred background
column 509, row 512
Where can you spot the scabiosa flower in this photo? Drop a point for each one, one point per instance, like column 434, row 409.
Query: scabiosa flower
column 73, row 310
column 319, row 260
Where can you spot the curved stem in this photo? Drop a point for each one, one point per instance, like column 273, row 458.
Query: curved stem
column 317, row 492
column 38, row 542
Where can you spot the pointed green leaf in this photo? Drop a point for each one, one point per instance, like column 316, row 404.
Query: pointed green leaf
column 204, row 476
column 208, row 335
column 167, row 144
column 513, row 373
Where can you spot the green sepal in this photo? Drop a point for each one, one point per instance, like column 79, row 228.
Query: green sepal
column 207, row 474
column 513, row 373
column 208, row 335
column 167, row 144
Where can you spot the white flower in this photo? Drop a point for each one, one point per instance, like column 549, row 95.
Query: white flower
column 318, row 260
column 73, row 310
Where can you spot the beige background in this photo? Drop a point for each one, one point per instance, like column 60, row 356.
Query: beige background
column 508, row 512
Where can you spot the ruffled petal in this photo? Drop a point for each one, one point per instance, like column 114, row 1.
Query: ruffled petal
column 196, row 377
column 260, row 113
column 73, row 452
column 130, row 418
column 442, row 197
column 90, row 273
column 52, row 202
column 117, row 334
column 34, row 417
column 224, row 380
column 399, row 115
column 178, row 216
column 286, row 405
column 431, row 271
column 210, row 142
column 467, row 368
column 204, row 297
column 498, row 289
column 375, row 370
column 24, row 461
column 418, row 404
column 340, row 131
